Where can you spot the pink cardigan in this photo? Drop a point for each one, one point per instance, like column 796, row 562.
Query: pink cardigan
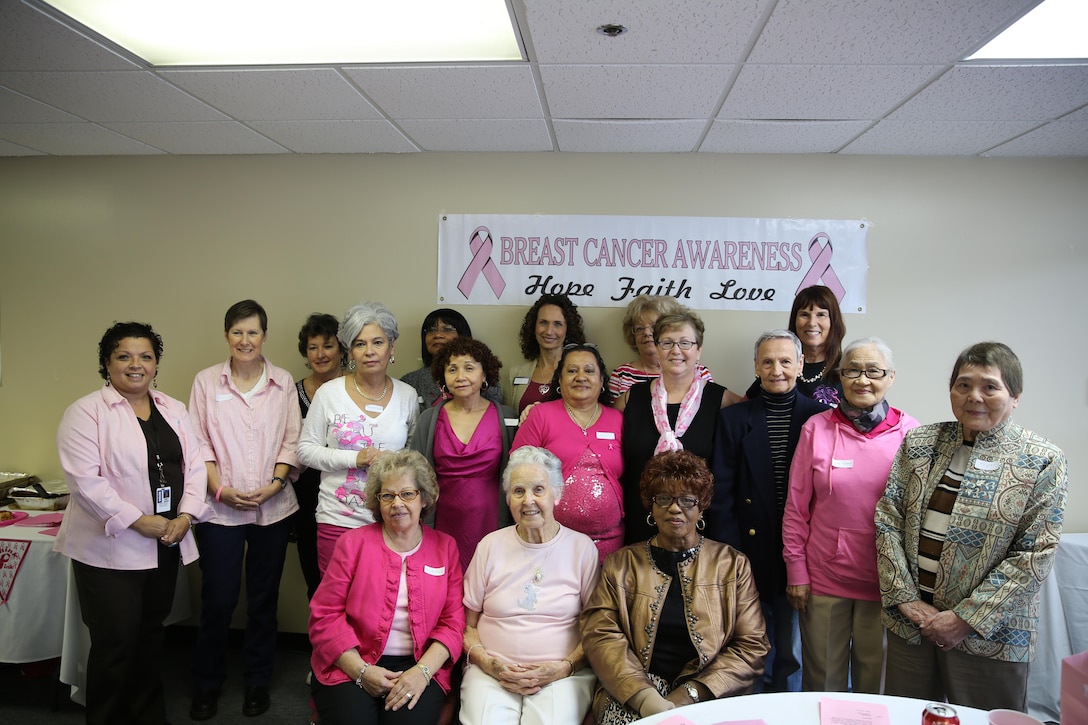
column 354, row 605
column 836, row 477
column 104, row 456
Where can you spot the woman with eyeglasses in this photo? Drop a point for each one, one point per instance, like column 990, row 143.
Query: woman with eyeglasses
column 837, row 475
column 678, row 410
column 386, row 621
column 440, row 327
column 580, row 426
column 676, row 619
column 638, row 331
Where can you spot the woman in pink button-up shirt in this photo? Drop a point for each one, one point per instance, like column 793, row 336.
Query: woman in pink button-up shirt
column 134, row 466
column 248, row 418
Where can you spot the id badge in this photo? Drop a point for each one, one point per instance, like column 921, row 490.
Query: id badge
column 162, row 500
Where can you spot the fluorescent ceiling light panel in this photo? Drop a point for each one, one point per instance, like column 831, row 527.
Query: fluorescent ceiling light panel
column 301, row 32
column 1053, row 30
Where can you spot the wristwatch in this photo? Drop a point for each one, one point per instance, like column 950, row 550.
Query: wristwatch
column 281, row 481
column 693, row 692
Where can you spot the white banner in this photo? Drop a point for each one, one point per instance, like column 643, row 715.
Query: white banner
column 707, row 263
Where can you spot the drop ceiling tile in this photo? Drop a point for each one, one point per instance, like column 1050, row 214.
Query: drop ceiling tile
column 1057, row 138
column 336, row 137
column 1000, row 93
column 628, row 136
column 111, row 96
column 780, row 137
column 13, row 149
column 479, row 134
column 477, row 91
column 634, row 91
column 679, row 31
column 881, row 31
column 310, row 94
column 17, row 108
column 831, row 92
column 199, row 137
column 1081, row 114
column 935, row 138
column 72, row 139
column 33, row 41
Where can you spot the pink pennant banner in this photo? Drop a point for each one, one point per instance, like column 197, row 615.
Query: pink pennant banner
column 12, row 553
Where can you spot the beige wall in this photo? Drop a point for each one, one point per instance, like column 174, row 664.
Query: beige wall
column 961, row 250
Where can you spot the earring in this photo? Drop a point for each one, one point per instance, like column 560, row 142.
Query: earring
column 392, row 359
column 445, row 391
column 308, row 366
column 107, row 380
column 650, row 519
column 155, row 380
column 351, row 366
column 485, row 386
column 700, row 524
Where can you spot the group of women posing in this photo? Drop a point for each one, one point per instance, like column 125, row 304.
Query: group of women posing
column 370, row 457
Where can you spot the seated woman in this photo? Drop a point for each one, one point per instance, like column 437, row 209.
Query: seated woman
column 581, row 428
column 386, row 621
column 524, row 590
column 674, row 620
column 440, row 328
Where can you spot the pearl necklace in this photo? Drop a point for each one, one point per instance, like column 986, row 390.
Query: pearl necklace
column 815, row 377
column 570, row 412
column 372, row 400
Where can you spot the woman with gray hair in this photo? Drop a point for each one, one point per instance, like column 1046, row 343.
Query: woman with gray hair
column 353, row 420
column 837, row 475
column 386, row 621
column 536, row 574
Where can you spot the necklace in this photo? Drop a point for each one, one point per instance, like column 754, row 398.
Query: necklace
column 372, row 400
column 593, row 415
column 530, row 592
column 815, row 377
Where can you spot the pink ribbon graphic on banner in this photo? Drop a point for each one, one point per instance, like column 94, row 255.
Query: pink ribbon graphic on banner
column 821, row 267
column 481, row 245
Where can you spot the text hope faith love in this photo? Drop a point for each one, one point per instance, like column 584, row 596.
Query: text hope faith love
column 649, row 254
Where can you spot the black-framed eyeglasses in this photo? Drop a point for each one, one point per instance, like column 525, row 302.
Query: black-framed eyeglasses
column 445, row 330
column 664, row 500
column 871, row 373
column 667, row 345
column 405, row 496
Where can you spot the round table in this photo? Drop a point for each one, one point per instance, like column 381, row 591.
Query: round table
column 797, row 708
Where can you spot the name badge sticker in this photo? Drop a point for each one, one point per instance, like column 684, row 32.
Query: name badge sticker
column 606, row 435
column 987, row 465
column 842, row 463
column 434, row 570
column 511, row 422
column 223, row 397
column 521, row 381
column 371, row 408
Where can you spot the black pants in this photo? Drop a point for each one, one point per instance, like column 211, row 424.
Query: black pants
column 347, row 704
column 124, row 611
column 305, row 523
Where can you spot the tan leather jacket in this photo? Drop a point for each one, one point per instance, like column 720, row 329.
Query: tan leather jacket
column 619, row 623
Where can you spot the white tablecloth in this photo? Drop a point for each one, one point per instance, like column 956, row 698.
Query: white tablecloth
column 32, row 620
column 1063, row 624
column 799, row 708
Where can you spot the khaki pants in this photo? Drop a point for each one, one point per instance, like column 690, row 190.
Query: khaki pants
column 842, row 645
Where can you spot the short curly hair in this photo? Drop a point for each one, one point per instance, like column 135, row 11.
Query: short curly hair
column 530, row 348
column 676, row 472
column 405, row 462
column 121, row 330
column 636, row 308
column 472, row 348
column 325, row 326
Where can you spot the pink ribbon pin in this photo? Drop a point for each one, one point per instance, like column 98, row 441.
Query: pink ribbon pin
column 481, row 245
column 821, row 267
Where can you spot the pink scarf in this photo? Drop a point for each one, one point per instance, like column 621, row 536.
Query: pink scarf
column 689, row 406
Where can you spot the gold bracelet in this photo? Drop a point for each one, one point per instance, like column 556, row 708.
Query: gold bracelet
column 571, row 667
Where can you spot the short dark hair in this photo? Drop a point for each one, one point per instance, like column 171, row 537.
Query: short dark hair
column 474, row 349
column 241, row 310
column 530, row 348
column 605, row 398
column 820, row 296
column 121, row 330
column 452, row 318
column 674, row 472
column 319, row 324
column 992, row 354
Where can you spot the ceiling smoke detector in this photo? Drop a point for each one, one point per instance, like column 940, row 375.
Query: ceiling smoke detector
column 612, row 30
